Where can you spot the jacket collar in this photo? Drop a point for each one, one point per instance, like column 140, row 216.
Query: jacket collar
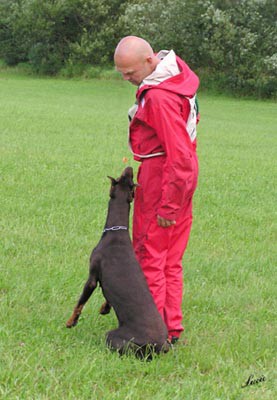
column 166, row 68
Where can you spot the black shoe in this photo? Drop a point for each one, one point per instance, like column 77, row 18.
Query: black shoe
column 174, row 339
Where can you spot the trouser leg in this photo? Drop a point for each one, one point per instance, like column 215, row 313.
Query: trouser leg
column 151, row 254
column 174, row 275
column 160, row 256
column 160, row 250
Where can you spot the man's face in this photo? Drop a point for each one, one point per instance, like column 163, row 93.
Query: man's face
column 134, row 72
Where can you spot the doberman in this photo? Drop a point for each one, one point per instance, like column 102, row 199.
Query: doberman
column 114, row 265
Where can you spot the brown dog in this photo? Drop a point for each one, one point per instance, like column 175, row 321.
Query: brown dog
column 113, row 264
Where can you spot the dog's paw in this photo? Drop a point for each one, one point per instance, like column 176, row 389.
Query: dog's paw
column 71, row 322
column 105, row 308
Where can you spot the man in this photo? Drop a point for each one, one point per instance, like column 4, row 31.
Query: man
column 163, row 138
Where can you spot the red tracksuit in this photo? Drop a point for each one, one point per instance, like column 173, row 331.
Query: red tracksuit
column 166, row 186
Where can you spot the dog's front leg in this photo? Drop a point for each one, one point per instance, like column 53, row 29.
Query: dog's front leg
column 87, row 292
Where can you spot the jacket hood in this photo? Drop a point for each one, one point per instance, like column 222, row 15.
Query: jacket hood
column 171, row 74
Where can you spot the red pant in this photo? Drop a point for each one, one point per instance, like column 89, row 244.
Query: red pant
column 160, row 250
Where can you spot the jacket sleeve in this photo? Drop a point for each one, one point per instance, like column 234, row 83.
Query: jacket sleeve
column 165, row 114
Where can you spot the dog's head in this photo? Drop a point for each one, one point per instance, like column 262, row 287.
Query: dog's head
column 124, row 184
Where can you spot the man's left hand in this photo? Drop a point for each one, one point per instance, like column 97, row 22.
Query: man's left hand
column 164, row 223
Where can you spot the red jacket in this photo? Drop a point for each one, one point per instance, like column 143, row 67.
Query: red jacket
column 159, row 125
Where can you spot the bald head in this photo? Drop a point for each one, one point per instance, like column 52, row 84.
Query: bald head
column 132, row 47
column 135, row 59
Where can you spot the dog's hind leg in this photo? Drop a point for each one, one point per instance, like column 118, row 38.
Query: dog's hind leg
column 120, row 341
column 87, row 292
column 117, row 341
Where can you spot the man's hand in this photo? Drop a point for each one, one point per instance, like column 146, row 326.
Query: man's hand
column 165, row 223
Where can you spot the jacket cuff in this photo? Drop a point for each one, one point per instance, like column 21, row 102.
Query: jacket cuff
column 167, row 214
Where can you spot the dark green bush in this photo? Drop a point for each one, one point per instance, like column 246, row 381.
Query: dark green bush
column 232, row 41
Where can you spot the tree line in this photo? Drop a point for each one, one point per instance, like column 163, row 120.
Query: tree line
column 230, row 43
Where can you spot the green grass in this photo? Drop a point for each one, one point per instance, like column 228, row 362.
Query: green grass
column 59, row 141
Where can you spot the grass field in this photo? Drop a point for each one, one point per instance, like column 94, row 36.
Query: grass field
column 59, row 141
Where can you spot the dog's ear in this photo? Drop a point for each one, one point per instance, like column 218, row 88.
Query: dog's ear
column 113, row 181
column 132, row 188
